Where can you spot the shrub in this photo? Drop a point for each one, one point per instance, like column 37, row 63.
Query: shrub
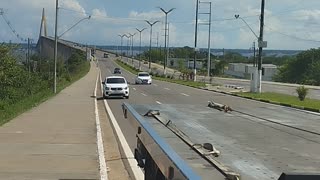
column 302, row 92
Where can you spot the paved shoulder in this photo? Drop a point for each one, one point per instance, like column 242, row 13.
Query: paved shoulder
column 56, row 140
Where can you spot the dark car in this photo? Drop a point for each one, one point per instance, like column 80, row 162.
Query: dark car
column 117, row 71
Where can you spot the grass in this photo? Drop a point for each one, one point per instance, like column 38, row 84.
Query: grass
column 284, row 99
column 177, row 81
column 13, row 110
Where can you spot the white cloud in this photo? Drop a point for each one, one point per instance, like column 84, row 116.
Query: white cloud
column 151, row 15
column 72, row 5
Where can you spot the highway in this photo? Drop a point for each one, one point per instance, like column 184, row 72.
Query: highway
column 283, row 88
column 258, row 138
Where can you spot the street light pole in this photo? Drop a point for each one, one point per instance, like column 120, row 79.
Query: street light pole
column 165, row 38
column 127, row 46
column 140, row 31
column 151, row 24
column 195, row 43
column 55, row 49
column 132, row 35
column 74, row 25
column 121, row 37
column 261, row 44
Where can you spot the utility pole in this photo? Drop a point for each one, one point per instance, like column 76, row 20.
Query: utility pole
column 260, row 44
column 209, row 41
column 140, row 31
column 195, row 43
column 55, row 49
column 209, row 35
column 254, row 54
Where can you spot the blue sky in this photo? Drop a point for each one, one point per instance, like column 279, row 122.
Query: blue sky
column 289, row 24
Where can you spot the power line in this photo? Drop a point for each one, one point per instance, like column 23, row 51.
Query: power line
column 10, row 26
column 292, row 36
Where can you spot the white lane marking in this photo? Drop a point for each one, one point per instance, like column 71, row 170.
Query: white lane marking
column 155, row 84
column 137, row 172
column 109, row 71
column 102, row 160
column 158, row 102
column 134, row 88
column 143, row 94
column 167, row 89
column 184, row 94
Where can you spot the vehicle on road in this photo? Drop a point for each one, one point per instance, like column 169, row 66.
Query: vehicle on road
column 143, row 78
column 106, row 55
column 117, row 71
column 115, row 86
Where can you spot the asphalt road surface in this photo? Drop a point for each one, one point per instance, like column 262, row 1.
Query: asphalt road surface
column 268, row 138
column 283, row 88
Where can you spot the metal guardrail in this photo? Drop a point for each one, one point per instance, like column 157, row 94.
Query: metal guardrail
column 168, row 161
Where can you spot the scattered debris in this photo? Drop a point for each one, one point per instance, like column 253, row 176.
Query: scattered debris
column 218, row 106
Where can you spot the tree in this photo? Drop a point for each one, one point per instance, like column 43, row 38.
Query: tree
column 304, row 69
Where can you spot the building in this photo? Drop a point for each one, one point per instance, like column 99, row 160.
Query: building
column 244, row 71
column 186, row 63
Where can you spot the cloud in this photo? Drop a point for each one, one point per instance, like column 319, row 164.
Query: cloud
column 151, row 15
column 72, row 5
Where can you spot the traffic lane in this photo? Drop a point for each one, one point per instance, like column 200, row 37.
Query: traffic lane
column 160, row 94
column 177, row 94
column 136, row 97
column 285, row 115
column 281, row 139
column 282, row 89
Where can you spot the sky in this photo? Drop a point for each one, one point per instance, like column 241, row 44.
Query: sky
column 289, row 24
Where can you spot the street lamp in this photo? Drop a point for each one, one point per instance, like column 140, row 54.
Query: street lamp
column 132, row 35
column 140, row 31
column 121, row 36
column 257, row 75
column 55, row 54
column 151, row 24
column 74, row 25
column 237, row 16
column 165, row 38
column 128, row 37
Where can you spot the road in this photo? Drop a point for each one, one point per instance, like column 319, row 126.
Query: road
column 283, row 88
column 259, row 141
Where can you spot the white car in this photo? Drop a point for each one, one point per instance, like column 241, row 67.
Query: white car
column 115, row 86
column 143, row 78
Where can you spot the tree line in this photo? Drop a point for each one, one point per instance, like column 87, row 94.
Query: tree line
column 303, row 68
